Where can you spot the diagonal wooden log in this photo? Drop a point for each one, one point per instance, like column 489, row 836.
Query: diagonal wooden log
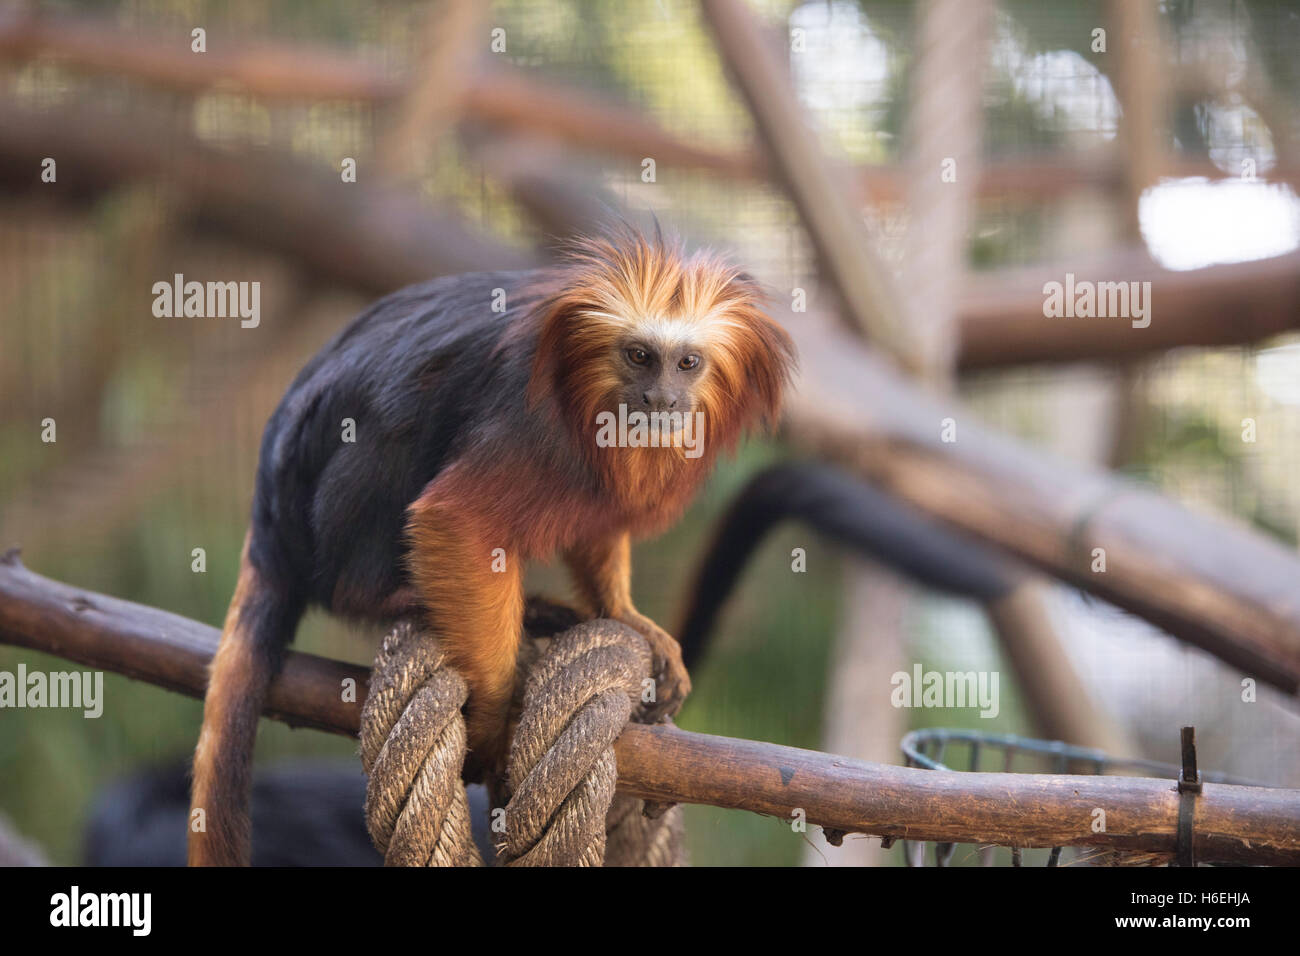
column 1209, row 581
column 1231, row 824
column 847, row 257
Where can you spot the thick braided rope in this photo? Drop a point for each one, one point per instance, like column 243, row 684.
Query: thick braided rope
column 634, row 839
column 412, row 748
column 561, row 774
column 579, row 692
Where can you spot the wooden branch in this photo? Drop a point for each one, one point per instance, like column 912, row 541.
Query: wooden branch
column 845, row 251
column 1208, row 580
column 279, row 71
column 1232, row 824
column 1027, row 810
column 1002, row 322
column 526, row 104
column 272, row 70
column 366, row 234
column 165, row 649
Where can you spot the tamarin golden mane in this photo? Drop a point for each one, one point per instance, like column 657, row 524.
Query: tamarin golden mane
column 476, row 430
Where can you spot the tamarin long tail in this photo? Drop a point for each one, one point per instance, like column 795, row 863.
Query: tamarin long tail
column 259, row 625
column 849, row 512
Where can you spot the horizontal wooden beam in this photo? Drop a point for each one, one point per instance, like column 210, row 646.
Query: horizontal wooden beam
column 267, row 69
column 1232, row 823
column 378, row 238
column 367, row 234
column 1002, row 321
column 279, row 71
column 501, row 96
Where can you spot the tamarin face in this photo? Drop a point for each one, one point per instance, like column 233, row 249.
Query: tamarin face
column 638, row 324
column 662, row 367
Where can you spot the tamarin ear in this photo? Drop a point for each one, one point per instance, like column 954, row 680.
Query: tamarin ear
column 768, row 356
column 557, row 314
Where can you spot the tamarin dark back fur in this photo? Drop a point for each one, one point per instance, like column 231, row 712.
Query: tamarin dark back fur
column 424, row 374
column 475, row 451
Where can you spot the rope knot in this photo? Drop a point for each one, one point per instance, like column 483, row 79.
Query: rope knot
column 579, row 689
column 412, row 747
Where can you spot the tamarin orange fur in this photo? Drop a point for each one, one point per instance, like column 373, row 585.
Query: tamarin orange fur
column 476, row 449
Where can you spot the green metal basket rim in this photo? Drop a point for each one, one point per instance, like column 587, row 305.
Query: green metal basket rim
column 1103, row 761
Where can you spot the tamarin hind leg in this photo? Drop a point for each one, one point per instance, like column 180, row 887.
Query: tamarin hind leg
column 602, row 572
column 259, row 623
column 472, row 588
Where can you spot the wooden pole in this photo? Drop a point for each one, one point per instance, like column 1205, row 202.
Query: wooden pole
column 1142, row 88
column 1062, row 706
column 1232, row 824
column 847, row 255
column 433, row 101
column 859, row 722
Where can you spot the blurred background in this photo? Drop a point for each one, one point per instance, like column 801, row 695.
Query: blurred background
column 483, row 133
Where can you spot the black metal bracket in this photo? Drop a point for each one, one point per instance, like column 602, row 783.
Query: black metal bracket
column 1189, row 788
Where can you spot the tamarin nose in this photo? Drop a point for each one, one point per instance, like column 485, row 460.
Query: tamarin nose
column 659, row 400
column 653, row 398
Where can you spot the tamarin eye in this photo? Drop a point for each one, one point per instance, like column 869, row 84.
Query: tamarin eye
column 638, row 356
column 688, row 362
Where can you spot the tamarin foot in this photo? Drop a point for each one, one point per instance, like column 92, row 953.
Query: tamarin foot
column 672, row 682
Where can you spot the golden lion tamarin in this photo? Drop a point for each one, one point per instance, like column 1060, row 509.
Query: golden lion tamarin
column 482, row 439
